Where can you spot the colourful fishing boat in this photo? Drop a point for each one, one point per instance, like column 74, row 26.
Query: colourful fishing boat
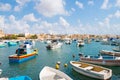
column 112, row 53
column 101, row 60
column 23, row 53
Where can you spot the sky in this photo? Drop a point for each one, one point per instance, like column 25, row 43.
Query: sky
column 60, row 16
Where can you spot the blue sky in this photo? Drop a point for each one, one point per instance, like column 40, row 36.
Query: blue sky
column 60, row 16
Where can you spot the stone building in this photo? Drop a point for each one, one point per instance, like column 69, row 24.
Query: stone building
column 1, row 33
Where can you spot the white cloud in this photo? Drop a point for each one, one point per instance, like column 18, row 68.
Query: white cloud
column 117, row 14
column 63, row 22
column 5, row 7
column 112, row 29
column 12, row 18
column 90, row 2
column 11, row 25
column 17, row 8
column 62, row 26
column 107, row 27
column 114, row 15
column 20, row 5
column 29, row 17
column 50, row 8
column 79, row 4
column 105, row 4
column 73, row 9
column 117, row 3
column 46, row 24
column 2, row 22
column 107, row 22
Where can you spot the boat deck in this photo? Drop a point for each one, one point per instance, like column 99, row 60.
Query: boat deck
column 53, row 76
column 88, row 66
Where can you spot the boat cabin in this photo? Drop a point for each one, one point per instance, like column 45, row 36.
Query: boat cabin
column 23, row 49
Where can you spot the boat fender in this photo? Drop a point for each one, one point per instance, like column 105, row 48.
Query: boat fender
column 65, row 65
column 57, row 66
column 58, row 62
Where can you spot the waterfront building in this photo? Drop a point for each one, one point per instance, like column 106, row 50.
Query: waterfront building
column 1, row 33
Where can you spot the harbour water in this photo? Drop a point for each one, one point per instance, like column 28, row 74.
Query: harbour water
column 49, row 58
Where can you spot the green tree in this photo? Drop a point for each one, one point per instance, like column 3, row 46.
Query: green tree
column 34, row 37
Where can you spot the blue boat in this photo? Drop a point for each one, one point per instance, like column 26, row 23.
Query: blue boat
column 12, row 43
column 17, row 78
column 20, row 78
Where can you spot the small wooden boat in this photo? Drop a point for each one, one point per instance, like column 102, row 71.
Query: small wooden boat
column 91, row 70
column 110, row 53
column 22, row 54
column 17, row 78
column 49, row 73
column 101, row 60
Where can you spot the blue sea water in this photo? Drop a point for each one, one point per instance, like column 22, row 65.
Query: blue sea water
column 46, row 57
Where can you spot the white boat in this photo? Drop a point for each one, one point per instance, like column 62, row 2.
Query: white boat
column 68, row 42
column 112, row 53
column 91, row 70
column 80, row 43
column 97, row 40
column 0, row 71
column 117, row 49
column 105, row 41
column 54, row 45
column 48, row 73
column 47, row 41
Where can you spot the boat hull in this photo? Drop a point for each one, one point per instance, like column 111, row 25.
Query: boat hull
column 22, row 58
column 80, row 44
column 87, row 73
column 110, row 53
column 2, row 46
column 20, row 78
column 12, row 43
column 101, row 61
column 55, row 46
column 0, row 71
